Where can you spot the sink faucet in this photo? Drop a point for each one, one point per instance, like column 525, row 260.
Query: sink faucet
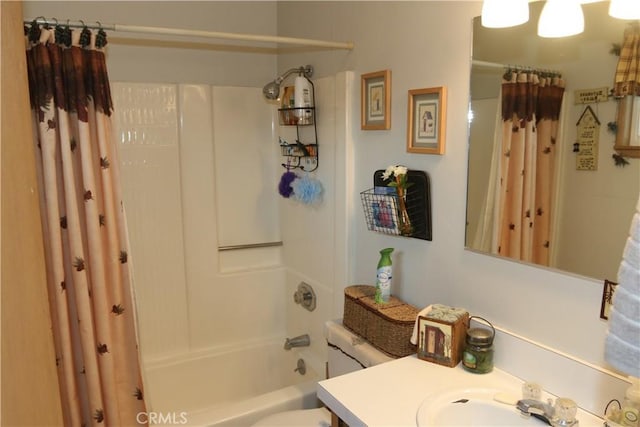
column 562, row 414
column 299, row 341
column 542, row 411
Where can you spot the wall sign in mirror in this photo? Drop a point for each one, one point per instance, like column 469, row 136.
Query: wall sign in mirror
column 375, row 100
column 589, row 209
column 426, row 120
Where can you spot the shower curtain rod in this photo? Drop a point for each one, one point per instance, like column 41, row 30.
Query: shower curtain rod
column 497, row 65
column 195, row 33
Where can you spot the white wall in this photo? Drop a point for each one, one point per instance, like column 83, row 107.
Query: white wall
column 427, row 44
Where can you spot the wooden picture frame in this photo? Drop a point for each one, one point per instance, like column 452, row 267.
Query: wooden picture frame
column 375, row 100
column 426, row 120
column 628, row 121
column 607, row 298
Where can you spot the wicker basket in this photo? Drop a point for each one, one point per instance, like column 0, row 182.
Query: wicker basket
column 387, row 327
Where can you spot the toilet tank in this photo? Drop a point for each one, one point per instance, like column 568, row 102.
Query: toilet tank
column 348, row 352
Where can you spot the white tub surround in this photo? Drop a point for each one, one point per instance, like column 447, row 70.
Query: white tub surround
column 200, row 171
column 231, row 386
column 392, row 393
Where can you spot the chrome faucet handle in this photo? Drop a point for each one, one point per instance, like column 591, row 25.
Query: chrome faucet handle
column 531, row 390
column 305, row 296
column 301, row 367
column 565, row 411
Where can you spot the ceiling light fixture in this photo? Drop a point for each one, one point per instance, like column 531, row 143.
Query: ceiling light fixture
column 625, row 9
column 504, row 13
column 561, row 18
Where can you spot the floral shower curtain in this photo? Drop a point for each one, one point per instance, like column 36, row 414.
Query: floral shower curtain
column 83, row 221
column 530, row 112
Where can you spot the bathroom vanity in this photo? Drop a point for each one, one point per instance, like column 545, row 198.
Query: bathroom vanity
column 410, row 392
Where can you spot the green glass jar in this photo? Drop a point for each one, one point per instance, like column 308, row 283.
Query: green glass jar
column 478, row 352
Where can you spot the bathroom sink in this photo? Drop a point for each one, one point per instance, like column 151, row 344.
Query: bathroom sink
column 470, row 407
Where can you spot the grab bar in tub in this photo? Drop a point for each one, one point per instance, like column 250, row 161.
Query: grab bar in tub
column 249, row 246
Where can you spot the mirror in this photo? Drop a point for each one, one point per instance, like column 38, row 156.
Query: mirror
column 591, row 207
column 628, row 138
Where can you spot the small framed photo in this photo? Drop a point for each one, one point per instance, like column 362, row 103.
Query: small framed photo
column 426, row 120
column 375, row 102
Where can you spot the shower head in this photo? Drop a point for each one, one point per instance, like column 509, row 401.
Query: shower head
column 271, row 90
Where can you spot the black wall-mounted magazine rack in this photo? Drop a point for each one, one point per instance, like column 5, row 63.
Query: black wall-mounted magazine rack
column 380, row 205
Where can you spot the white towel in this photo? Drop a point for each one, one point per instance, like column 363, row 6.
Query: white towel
column 622, row 345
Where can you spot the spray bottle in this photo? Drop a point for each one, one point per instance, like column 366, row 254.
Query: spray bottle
column 383, row 279
column 303, row 99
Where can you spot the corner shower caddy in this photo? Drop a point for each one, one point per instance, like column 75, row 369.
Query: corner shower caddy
column 299, row 154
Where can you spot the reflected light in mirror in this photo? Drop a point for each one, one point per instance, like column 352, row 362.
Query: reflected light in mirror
column 561, row 18
column 625, row 9
column 504, row 13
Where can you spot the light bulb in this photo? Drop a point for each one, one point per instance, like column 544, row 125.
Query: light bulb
column 504, row 13
column 561, row 18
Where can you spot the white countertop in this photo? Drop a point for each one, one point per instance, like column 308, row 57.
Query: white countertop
column 390, row 394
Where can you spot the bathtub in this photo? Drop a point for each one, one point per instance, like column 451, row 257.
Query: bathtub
column 231, row 386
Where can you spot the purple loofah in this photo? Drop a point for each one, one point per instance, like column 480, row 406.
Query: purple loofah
column 284, row 188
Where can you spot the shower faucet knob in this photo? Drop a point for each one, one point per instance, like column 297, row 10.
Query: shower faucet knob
column 305, row 296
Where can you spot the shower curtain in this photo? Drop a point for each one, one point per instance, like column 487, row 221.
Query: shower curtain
column 516, row 217
column 83, row 222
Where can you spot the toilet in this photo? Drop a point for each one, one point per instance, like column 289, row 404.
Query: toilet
column 347, row 353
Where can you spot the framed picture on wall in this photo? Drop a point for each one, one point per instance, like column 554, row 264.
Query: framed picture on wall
column 426, row 120
column 375, row 100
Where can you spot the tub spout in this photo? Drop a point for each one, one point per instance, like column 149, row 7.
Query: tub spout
column 299, row 341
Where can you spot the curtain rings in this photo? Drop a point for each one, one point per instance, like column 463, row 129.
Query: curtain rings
column 101, row 37
column 85, row 35
column 508, row 73
column 34, row 30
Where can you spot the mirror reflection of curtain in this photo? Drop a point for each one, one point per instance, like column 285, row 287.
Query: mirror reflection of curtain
column 627, row 90
column 627, row 78
column 516, row 218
